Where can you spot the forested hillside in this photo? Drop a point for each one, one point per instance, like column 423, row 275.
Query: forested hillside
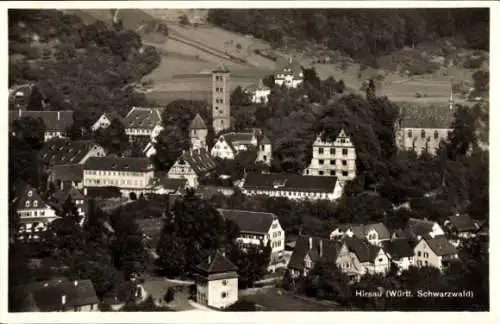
column 85, row 68
column 363, row 34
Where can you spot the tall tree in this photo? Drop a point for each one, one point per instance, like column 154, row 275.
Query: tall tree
column 252, row 263
column 463, row 136
column 113, row 138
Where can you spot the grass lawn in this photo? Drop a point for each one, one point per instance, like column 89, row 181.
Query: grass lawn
column 271, row 301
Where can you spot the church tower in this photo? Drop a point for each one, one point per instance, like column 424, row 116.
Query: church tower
column 198, row 133
column 451, row 102
column 221, row 109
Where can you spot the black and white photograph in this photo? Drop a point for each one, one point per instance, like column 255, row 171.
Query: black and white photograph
column 238, row 158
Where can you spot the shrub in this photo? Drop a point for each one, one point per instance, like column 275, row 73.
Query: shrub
column 169, row 295
column 473, row 63
column 183, row 20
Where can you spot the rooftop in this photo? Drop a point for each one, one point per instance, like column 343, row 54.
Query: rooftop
column 58, row 121
column 143, row 118
column 432, row 116
column 399, row 248
column 197, row 123
column 249, row 221
column 65, row 151
column 67, row 172
column 200, row 160
column 217, row 264
column 110, row 163
column 441, row 246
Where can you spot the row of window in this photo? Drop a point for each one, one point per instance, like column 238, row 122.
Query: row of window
column 28, row 204
column 114, row 182
column 275, row 244
column 426, row 255
column 332, row 162
column 276, row 234
column 321, row 150
column 219, row 78
column 332, row 173
column 114, row 173
column 290, row 194
column 33, row 213
column 219, row 89
column 136, row 131
column 219, row 100
column 423, row 134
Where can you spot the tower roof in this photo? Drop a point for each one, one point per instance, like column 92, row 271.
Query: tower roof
column 221, row 68
column 197, row 123
column 217, row 264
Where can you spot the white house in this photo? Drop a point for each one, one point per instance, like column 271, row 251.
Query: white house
column 192, row 165
column 34, row 214
column 418, row 228
column 372, row 258
column 105, row 120
column 198, row 132
column 291, row 75
column 217, row 282
column 140, row 122
column 291, row 186
column 337, row 158
column 229, row 145
column 375, row 234
column 435, row 252
column 259, row 92
column 400, row 252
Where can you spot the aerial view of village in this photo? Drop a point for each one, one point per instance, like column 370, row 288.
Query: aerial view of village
column 176, row 160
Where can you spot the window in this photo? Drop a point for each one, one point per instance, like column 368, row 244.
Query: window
column 426, row 255
column 332, row 172
column 321, row 161
column 224, row 282
column 27, row 203
column 264, row 158
column 344, row 162
column 436, row 135
column 320, row 172
column 35, row 203
column 344, row 151
column 332, row 162
column 332, row 151
column 345, row 173
column 426, row 263
column 410, row 133
column 422, row 134
column 307, row 171
column 224, row 295
column 419, row 253
column 30, row 193
column 380, row 260
column 222, row 122
column 320, row 150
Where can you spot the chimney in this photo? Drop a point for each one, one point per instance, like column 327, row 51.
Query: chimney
column 320, row 248
column 310, row 242
column 63, row 299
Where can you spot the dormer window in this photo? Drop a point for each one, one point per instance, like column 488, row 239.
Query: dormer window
column 30, row 193
column 410, row 133
column 35, row 203
column 27, row 203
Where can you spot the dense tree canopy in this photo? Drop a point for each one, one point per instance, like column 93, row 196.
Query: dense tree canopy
column 363, row 34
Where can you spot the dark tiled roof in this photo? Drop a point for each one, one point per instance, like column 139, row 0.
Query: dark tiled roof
column 53, row 120
column 143, row 118
column 68, row 172
column 217, row 264
column 302, row 248
column 22, row 196
column 361, row 230
column 419, row 227
column 111, row 115
column 463, row 223
column 249, row 221
column 363, row 250
column 221, row 68
column 173, row 184
column 257, row 86
column 62, row 195
column 289, row 66
column 441, row 246
column 200, row 160
column 110, row 163
column 288, row 182
column 432, row 116
column 65, row 151
column 399, row 248
column 48, row 296
column 265, row 140
column 197, row 123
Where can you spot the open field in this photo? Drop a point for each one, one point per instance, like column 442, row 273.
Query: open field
column 191, row 52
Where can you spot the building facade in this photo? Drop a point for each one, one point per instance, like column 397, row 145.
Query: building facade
column 229, row 145
column 259, row 93
column 141, row 122
column 376, row 234
column 192, row 166
column 105, row 120
column 221, row 94
column 198, row 133
column 337, row 158
column 290, row 76
column 435, row 252
column 130, row 175
column 57, row 123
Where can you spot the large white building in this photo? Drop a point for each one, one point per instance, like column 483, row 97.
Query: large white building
column 336, row 159
column 259, row 92
column 141, row 122
column 130, row 175
column 291, row 75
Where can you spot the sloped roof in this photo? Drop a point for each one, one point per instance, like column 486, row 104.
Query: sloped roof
column 67, row 172
column 289, row 182
column 48, row 295
column 197, row 123
column 65, row 151
column 265, row 140
column 111, row 115
column 217, row 264
column 399, row 248
column 257, row 86
column 249, row 221
column 58, row 121
column 441, row 246
column 110, row 163
column 302, row 248
column 143, row 118
column 289, row 66
column 463, row 223
column 431, row 116
column 200, row 160
column 221, row 68
column 23, row 195
column 361, row 230
column 72, row 192
column 365, row 251
column 419, row 227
